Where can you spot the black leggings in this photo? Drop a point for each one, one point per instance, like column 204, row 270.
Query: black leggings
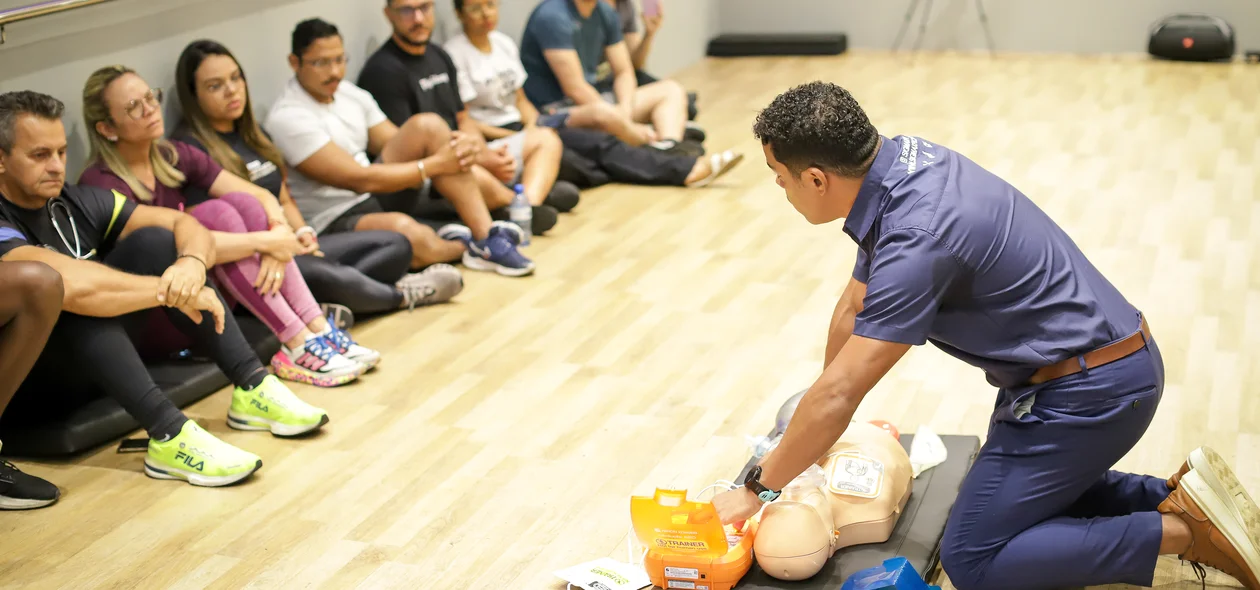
column 90, row 352
column 358, row 270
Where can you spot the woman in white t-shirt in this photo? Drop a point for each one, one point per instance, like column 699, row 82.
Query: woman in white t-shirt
column 491, row 84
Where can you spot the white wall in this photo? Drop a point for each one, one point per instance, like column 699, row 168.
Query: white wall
column 1074, row 26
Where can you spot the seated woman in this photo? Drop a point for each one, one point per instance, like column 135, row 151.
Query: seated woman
column 254, row 244
column 490, row 69
column 365, row 271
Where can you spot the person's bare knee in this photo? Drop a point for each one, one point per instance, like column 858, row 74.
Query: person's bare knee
column 42, row 287
column 542, row 139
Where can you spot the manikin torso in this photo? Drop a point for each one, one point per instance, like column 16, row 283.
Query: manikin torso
column 865, row 484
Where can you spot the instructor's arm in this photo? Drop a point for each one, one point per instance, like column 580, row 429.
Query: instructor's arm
column 847, row 308
column 821, row 417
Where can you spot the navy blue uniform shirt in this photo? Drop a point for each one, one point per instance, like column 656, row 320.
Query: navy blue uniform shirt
column 952, row 254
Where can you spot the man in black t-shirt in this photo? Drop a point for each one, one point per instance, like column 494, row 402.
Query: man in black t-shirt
column 409, row 75
column 117, row 260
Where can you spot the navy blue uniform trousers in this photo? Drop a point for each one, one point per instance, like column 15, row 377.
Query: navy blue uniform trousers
column 1041, row 508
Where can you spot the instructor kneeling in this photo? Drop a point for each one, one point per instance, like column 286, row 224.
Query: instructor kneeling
column 950, row 253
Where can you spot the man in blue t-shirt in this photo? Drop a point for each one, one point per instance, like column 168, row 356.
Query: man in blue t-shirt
column 563, row 45
column 951, row 254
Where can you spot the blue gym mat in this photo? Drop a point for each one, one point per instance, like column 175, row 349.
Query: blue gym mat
column 917, row 536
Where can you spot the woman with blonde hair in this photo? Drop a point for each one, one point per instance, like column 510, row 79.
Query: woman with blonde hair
column 254, row 243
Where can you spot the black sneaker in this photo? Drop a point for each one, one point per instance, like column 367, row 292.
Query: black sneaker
column 544, row 217
column 19, row 491
column 564, row 196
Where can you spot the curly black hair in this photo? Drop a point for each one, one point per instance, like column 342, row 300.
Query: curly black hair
column 821, row 125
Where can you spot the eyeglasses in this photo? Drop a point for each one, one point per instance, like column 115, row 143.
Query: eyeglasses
column 481, row 8
column 324, row 62
column 411, row 11
column 136, row 109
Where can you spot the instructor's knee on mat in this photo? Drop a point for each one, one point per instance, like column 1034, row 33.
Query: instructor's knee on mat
column 965, row 571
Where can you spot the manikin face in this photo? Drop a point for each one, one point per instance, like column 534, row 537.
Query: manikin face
column 479, row 17
column 413, row 20
column 135, row 111
column 36, row 166
column 321, row 68
column 221, row 88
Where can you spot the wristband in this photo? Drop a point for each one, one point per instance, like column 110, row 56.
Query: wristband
column 423, row 175
column 197, row 258
column 306, row 229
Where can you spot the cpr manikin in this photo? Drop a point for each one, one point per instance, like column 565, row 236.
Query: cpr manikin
column 853, row 496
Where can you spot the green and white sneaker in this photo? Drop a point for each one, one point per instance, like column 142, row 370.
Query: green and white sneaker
column 272, row 406
column 199, row 458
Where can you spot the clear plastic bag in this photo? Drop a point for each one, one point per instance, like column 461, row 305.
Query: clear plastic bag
column 761, row 445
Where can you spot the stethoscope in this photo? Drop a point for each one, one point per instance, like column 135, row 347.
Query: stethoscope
column 78, row 254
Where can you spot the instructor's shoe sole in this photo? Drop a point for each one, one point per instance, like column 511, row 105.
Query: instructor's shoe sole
column 197, row 479
column 1217, row 474
column 257, row 424
column 1223, row 510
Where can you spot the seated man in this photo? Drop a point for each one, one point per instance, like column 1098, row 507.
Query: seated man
column 562, row 47
column 491, row 80
column 409, row 75
column 30, row 302
column 117, row 260
column 325, row 127
column 639, row 44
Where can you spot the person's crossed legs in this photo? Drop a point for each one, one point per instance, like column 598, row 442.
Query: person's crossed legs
column 663, row 104
column 488, row 245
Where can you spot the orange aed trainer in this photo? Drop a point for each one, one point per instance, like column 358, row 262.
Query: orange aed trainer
column 687, row 546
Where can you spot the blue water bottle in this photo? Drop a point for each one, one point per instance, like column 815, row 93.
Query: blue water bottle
column 522, row 214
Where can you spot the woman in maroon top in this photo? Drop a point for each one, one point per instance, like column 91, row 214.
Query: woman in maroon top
column 255, row 245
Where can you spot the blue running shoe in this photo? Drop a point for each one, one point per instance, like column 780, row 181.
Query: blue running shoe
column 498, row 253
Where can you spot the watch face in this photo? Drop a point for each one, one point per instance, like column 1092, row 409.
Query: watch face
column 753, row 476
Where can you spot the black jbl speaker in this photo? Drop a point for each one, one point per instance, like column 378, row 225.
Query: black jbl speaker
column 1192, row 37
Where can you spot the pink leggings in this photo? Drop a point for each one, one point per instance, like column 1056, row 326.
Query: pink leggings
column 286, row 313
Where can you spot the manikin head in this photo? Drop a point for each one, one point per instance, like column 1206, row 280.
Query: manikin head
column 413, row 22
column 318, row 58
column 479, row 17
column 819, row 143
column 32, row 148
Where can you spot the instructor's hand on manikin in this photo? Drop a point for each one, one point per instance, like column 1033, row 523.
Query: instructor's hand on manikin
column 737, row 505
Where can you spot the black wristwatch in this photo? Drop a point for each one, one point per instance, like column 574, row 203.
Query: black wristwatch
column 752, row 481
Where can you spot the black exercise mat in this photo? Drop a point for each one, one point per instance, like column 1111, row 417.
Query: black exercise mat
column 917, row 536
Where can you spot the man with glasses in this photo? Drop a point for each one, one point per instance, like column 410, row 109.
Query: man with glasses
column 117, row 259
column 410, row 75
column 326, row 127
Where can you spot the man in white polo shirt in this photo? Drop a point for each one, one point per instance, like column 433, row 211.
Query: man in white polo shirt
column 326, row 127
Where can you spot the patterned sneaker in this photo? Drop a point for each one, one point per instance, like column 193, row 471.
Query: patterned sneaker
column 353, row 350
column 498, row 253
column 199, row 458
column 318, row 363
column 19, row 491
column 272, row 406
column 437, row 284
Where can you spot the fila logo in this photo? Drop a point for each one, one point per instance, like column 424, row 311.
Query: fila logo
column 259, row 405
column 189, row 461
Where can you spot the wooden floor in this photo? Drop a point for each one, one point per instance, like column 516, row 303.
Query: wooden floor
column 504, row 434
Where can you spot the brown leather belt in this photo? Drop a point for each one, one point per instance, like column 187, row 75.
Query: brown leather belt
column 1094, row 358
